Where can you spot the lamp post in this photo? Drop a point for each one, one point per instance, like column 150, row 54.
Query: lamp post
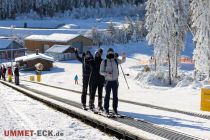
column 12, row 35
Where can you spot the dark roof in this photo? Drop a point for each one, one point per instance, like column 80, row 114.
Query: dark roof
column 8, row 44
column 5, row 43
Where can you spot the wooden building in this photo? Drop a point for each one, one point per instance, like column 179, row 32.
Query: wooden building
column 61, row 52
column 44, row 42
column 10, row 48
column 28, row 62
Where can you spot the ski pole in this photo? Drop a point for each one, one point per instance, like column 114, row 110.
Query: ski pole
column 124, row 77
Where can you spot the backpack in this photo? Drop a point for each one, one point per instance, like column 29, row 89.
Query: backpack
column 105, row 64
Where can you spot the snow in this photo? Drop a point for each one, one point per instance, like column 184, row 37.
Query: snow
column 145, row 87
column 56, row 37
column 34, row 56
column 58, row 48
column 4, row 43
column 183, row 96
column 179, row 122
column 19, row 112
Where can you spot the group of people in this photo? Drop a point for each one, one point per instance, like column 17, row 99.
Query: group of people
column 8, row 71
column 98, row 73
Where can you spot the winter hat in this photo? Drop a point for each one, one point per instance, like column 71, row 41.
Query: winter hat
column 100, row 51
column 97, row 52
column 110, row 50
column 88, row 52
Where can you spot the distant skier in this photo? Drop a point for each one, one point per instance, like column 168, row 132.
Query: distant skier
column 76, row 79
column 96, row 81
column 16, row 72
column 85, row 60
column 4, row 70
column 1, row 71
column 109, row 68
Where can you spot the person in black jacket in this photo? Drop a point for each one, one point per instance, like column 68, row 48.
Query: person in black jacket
column 16, row 72
column 85, row 60
column 1, row 70
column 4, row 73
column 96, row 81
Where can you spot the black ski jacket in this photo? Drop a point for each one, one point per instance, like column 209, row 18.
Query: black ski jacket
column 85, row 64
column 16, row 72
column 95, row 77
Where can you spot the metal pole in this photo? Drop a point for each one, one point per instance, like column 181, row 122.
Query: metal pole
column 12, row 35
column 124, row 77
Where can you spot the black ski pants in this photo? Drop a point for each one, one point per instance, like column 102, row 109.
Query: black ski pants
column 85, row 82
column 94, row 87
column 111, row 86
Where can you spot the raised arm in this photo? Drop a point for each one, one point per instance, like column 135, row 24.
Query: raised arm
column 102, row 69
column 78, row 57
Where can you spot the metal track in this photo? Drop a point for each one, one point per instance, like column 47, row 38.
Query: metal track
column 142, row 125
column 135, row 103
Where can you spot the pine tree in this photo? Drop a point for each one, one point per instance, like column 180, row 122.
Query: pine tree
column 164, row 32
column 201, row 22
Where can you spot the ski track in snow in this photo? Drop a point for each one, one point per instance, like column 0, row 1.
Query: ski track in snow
column 19, row 112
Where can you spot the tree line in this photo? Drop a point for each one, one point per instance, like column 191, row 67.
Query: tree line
column 13, row 8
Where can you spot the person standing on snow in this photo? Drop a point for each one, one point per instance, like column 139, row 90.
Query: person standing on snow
column 109, row 69
column 76, row 79
column 85, row 60
column 1, row 71
column 10, row 74
column 96, row 81
column 16, row 72
column 4, row 70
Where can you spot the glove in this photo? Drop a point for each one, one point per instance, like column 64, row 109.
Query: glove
column 76, row 50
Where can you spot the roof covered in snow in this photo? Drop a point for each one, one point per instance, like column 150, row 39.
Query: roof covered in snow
column 56, row 37
column 58, row 49
column 33, row 57
column 4, row 43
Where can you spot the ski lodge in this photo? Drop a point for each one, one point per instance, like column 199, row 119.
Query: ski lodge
column 61, row 52
column 10, row 48
column 44, row 42
column 28, row 62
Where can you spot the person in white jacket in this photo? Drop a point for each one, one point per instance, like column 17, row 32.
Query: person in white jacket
column 109, row 69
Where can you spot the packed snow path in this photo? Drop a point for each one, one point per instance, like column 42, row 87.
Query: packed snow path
column 195, row 114
column 182, row 123
column 19, row 112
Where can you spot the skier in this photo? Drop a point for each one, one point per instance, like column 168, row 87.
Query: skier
column 10, row 74
column 109, row 68
column 96, row 81
column 85, row 60
column 16, row 72
column 76, row 79
column 4, row 70
column 1, row 71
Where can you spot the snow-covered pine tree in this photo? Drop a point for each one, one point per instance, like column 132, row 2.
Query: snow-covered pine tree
column 201, row 22
column 111, row 33
column 134, row 37
column 163, row 30
column 130, row 28
column 181, row 17
column 95, row 36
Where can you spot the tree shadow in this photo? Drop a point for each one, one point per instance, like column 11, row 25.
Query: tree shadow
column 52, row 70
column 166, row 120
